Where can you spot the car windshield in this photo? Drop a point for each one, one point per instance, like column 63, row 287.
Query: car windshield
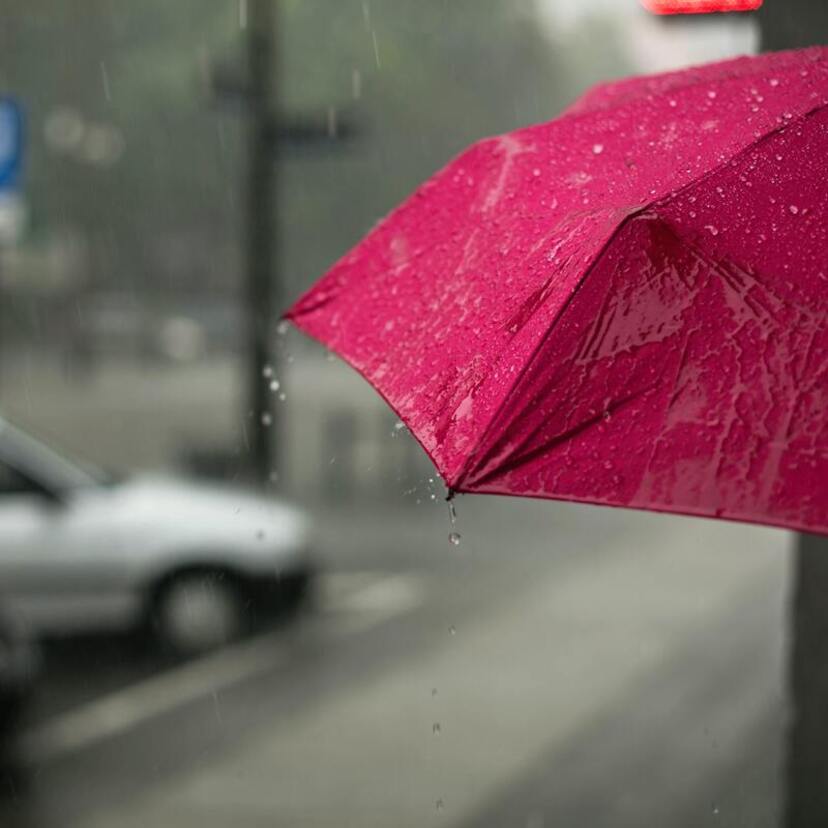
column 44, row 465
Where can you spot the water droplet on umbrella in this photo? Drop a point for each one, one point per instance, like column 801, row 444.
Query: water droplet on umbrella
column 714, row 231
column 774, row 82
column 598, row 148
column 673, row 103
column 536, row 172
column 712, row 94
column 454, row 538
column 794, row 209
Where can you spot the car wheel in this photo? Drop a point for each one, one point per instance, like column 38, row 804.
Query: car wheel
column 195, row 612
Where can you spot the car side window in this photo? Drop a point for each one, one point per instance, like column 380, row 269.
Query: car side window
column 13, row 482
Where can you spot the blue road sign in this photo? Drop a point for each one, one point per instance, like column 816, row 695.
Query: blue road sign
column 11, row 143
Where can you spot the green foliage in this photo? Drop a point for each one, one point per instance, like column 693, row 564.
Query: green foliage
column 420, row 78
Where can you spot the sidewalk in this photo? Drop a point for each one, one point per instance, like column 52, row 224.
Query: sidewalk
column 657, row 664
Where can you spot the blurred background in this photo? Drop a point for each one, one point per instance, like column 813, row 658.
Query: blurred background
column 554, row 665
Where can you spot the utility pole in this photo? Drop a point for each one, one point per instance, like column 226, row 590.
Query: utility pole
column 262, row 243
column 789, row 24
column 269, row 131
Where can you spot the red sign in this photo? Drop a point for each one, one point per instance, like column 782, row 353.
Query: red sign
column 700, row 6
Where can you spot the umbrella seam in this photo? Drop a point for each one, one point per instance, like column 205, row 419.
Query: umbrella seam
column 473, row 461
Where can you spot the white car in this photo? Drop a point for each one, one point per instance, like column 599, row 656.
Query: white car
column 82, row 552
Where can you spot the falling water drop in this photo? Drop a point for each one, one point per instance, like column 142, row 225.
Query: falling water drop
column 439, row 805
column 267, row 371
column 275, row 385
column 436, row 729
column 454, row 538
column 267, row 419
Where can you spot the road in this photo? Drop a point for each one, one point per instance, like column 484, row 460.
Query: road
column 562, row 666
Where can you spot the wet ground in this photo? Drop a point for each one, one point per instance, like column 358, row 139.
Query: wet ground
column 562, row 666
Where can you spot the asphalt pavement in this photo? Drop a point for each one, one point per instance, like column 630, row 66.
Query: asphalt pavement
column 562, row 666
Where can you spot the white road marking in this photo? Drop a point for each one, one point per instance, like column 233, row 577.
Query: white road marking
column 365, row 599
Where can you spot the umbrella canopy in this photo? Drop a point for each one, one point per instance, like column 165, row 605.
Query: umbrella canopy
column 623, row 306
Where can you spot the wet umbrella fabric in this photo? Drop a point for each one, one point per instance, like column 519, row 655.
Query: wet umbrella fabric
column 623, row 306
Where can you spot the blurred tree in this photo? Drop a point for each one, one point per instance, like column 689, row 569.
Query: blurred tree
column 134, row 154
column 159, row 207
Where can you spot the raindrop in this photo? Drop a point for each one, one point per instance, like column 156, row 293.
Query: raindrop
column 282, row 327
column 607, row 416
column 673, row 103
column 598, row 148
column 536, row 172
column 398, row 427
column 714, row 231
column 433, row 691
column 282, row 396
column 436, row 729
column 275, row 385
column 715, row 810
column 712, row 94
column 267, row 371
column 439, row 805
column 452, row 512
column 452, row 630
column 774, row 82
column 454, row 538
column 794, row 209
column 356, row 84
column 267, row 419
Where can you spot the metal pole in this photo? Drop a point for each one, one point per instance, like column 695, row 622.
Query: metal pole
column 262, row 243
column 788, row 24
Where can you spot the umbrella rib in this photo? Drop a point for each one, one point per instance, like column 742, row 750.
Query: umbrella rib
column 518, row 460
column 473, row 460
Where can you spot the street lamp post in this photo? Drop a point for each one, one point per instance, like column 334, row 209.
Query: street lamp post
column 262, row 244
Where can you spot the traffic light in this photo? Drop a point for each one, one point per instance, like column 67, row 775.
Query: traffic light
column 700, row 6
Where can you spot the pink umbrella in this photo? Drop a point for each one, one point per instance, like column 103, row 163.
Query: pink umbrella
column 624, row 306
